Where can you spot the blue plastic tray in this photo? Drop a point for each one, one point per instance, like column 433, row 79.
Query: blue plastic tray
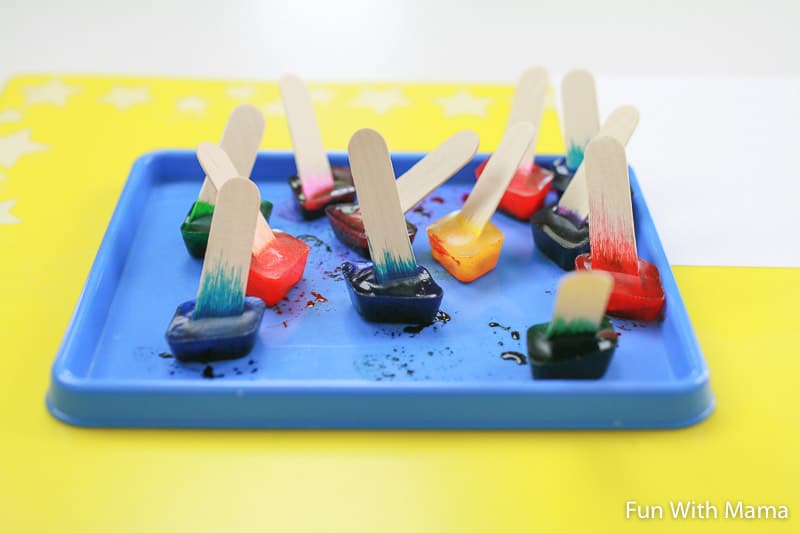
column 318, row 364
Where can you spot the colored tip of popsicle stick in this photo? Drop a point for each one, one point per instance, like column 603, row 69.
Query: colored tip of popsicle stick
column 314, row 186
column 221, row 291
column 379, row 202
column 527, row 104
column 500, row 169
column 526, row 167
column 620, row 125
column 581, row 118
column 240, row 140
column 436, row 168
column 393, row 267
column 220, row 169
column 313, row 167
column 611, row 231
column 227, row 260
column 575, row 153
column 581, row 302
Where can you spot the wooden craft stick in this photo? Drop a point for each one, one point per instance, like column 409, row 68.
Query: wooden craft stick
column 527, row 105
column 313, row 166
column 436, row 168
column 500, row 169
column 581, row 118
column 620, row 125
column 240, row 140
column 581, row 302
column 611, row 232
column 220, row 169
column 227, row 262
column 383, row 218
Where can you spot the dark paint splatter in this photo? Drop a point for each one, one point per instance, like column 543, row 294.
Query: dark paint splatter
column 285, row 324
column 499, row 325
column 517, row 357
column 515, row 335
column 415, row 329
column 208, row 373
column 165, row 355
column 441, row 316
column 335, row 274
column 464, row 197
column 309, row 304
column 421, row 211
column 437, row 199
column 314, row 241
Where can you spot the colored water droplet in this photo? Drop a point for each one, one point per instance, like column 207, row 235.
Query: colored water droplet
column 318, row 297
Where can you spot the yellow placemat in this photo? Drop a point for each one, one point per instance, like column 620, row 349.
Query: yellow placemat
column 66, row 146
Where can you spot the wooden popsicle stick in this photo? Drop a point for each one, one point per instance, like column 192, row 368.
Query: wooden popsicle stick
column 227, row 262
column 611, row 233
column 581, row 302
column 527, row 105
column 620, row 124
column 383, row 218
column 436, row 168
column 581, row 118
column 240, row 140
column 220, row 169
column 313, row 166
column 500, row 169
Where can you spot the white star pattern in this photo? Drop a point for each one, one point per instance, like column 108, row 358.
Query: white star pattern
column 125, row 97
column 191, row 104
column 241, row 93
column 273, row 108
column 464, row 103
column 5, row 213
column 321, row 95
column 16, row 145
column 380, row 101
column 10, row 115
column 53, row 92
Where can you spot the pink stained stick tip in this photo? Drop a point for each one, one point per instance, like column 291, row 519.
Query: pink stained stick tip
column 526, row 167
column 612, row 248
column 317, row 185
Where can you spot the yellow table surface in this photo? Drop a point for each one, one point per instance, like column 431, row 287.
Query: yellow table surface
column 66, row 146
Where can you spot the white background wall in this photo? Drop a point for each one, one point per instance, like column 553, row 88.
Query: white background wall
column 717, row 82
column 400, row 39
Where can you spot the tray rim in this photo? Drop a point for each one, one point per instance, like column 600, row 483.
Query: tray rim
column 66, row 387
